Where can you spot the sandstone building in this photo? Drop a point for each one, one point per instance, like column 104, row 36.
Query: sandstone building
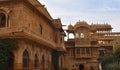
column 88, row 45
column 40, row 39
column 37, row 34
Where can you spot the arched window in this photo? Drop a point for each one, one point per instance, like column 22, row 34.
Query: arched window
column 82, row 35
column 2, row 20
column 77, row 35
column 25, row 59
column 36, row 62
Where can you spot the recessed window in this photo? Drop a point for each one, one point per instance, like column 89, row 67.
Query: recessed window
column 62, row 39
column 87, row 50
column 40, row 29
column 43, row 59
column 82, row 35
column 101, row 53
column 2, row 20
column 25, row 59
column 78, row 51
column 77, row 36
column 36, row 62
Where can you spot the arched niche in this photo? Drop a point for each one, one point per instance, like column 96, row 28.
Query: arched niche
column 4, row 17
column 25, row 59
column 2, row 20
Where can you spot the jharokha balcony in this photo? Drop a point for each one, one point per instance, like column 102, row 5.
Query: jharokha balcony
column 26, row 32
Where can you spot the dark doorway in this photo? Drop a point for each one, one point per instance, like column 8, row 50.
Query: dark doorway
column 81, row 67
column 36, row 62
column 11, row 61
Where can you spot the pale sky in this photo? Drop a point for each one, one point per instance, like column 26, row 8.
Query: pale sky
column 91, row 11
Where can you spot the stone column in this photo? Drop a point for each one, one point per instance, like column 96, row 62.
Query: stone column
column 31, row 60
column 18, row 60
column 6, row 21
column 31, row 64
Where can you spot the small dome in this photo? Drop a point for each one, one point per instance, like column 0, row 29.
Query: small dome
column 81, row 24
column 70, row 27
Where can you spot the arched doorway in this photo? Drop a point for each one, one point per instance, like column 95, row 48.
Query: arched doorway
column 2, row 20
column 25, row 60
column 36, row 61
column 10, row 64
column 81, row 67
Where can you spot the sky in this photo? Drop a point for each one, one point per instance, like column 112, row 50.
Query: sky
column 91, row 11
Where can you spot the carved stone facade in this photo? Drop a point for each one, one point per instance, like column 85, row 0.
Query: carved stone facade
column 37, row 34
column 88, row 44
